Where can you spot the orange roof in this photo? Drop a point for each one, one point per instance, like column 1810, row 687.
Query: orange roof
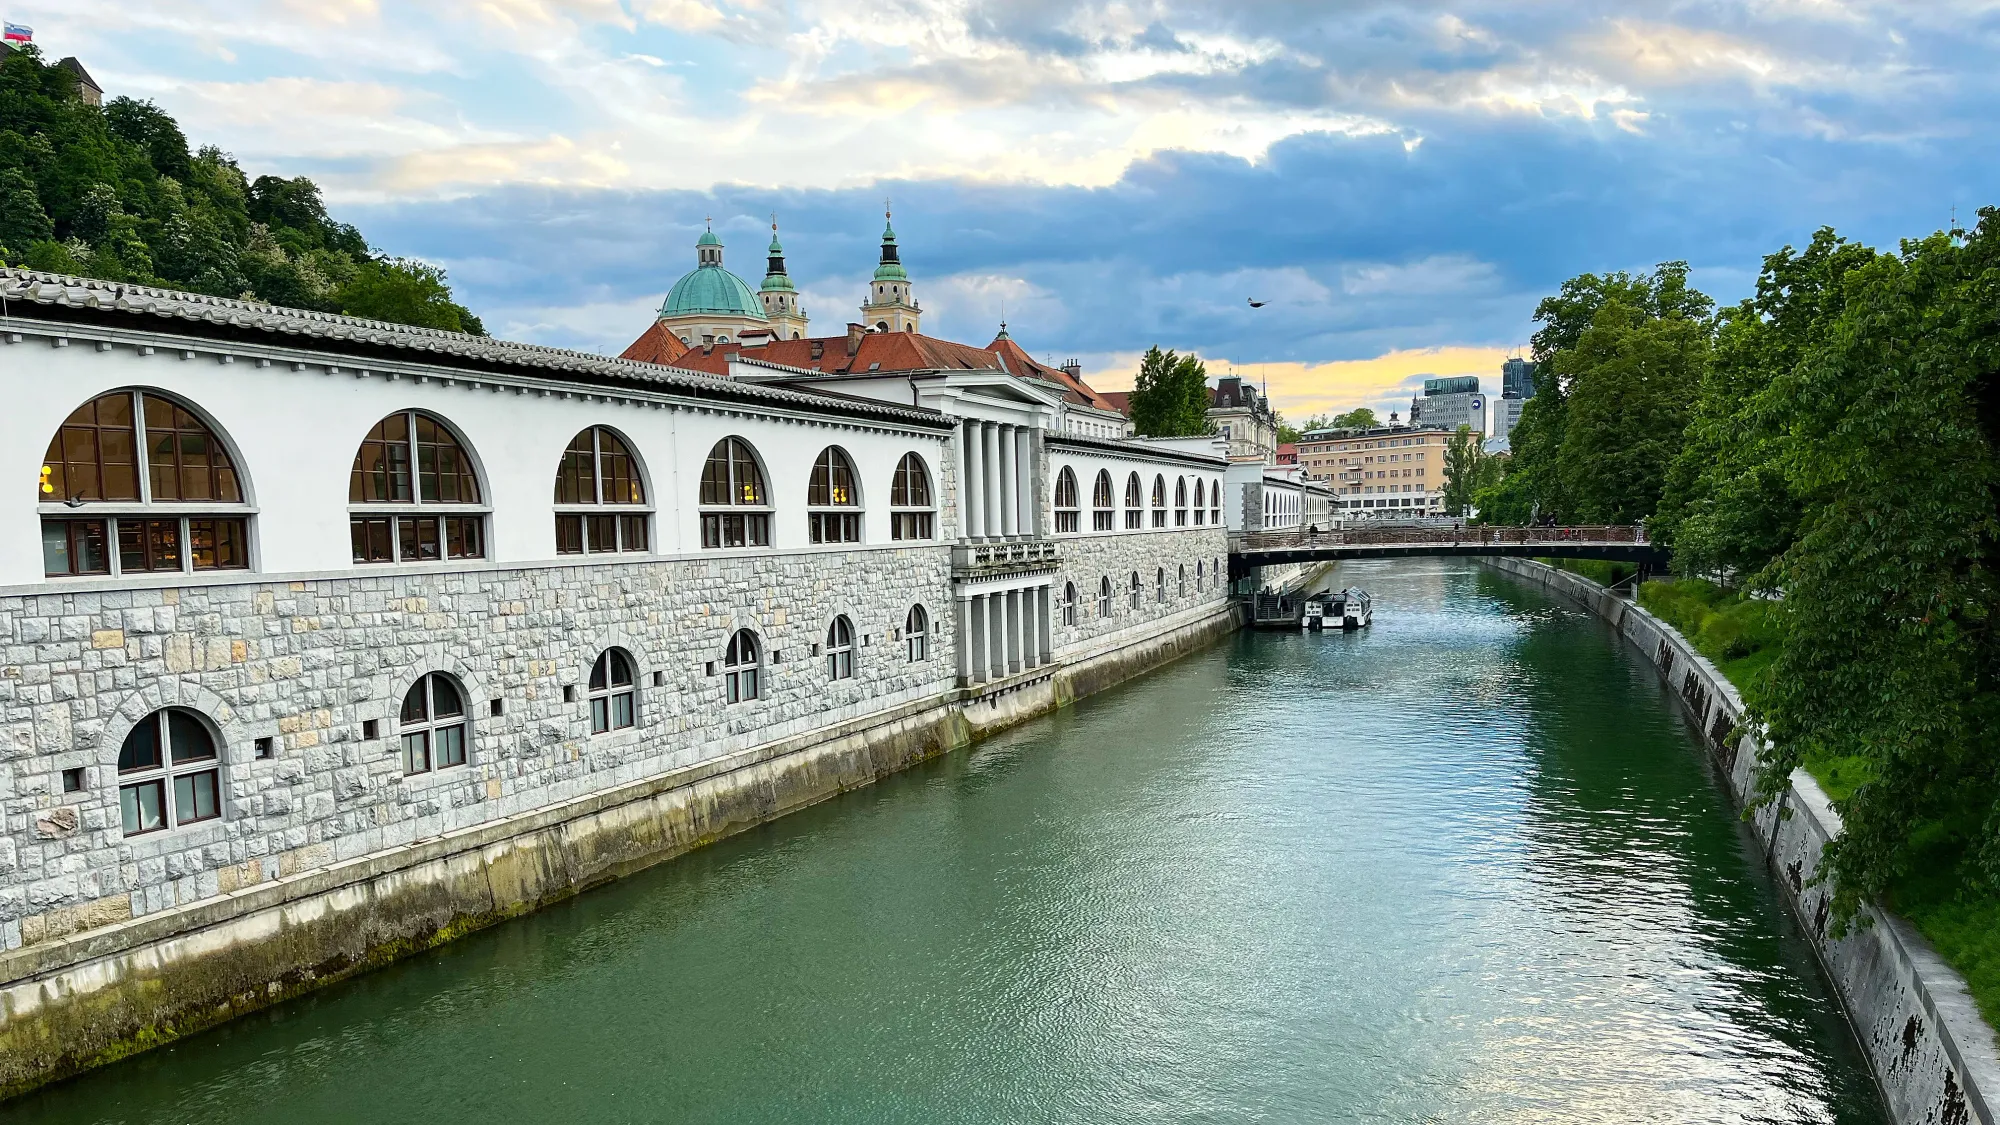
column 1121, row 401
column 655, row 345
column 1021, row 363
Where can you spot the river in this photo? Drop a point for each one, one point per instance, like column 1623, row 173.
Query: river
column 1465, row 866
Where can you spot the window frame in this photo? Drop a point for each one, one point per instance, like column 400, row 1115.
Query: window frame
column 145, row 513
column 1135, row 503
column 742, row 667
column 163, row 777
column 910, row 520
column 1137, row 589
column 840, row 648
column 431, row 724
column 590, row 517
column 1069, row 517
column 1069, row 605
column 605, row 693
column 750, row 521
column 829, row 519
column 1103, row 513
column 448, row 518
column 1160, row 586
column 1180, row 502
column 1104, row 597
column 917, row 634
column 1159, row 501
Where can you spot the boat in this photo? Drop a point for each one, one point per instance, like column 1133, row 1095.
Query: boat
column 1336, row 609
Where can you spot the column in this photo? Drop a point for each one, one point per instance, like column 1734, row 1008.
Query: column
column 1013, row 619
column 1024, row 481
column 963, row 638
column 1031, row 650
column 989, row 479
column 1010, row 524
column 996, row 636
column 1045, row 625
column 976, row 640
column 971, row 490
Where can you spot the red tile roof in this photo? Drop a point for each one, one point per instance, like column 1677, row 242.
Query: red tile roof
column 1121, row 401
column 655, row 345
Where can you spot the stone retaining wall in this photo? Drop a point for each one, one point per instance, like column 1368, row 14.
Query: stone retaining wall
column 1933, row 1055
column 78, row 1001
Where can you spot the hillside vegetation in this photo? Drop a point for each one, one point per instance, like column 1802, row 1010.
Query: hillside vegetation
column 114, row 192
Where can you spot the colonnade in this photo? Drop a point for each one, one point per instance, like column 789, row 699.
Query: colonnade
column 1003, row 633
column 997, row 465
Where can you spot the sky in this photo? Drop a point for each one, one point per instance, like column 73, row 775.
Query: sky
column 1399, row 183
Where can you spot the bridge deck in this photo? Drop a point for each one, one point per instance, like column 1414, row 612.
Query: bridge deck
column 1619, row 544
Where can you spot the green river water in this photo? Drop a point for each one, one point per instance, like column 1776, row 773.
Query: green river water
column 1465, row 866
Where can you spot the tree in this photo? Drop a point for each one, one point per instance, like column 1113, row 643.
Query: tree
column 1288, row 433
column 1360, row 418
column 22, row 220
column 1633, row 379
column 406, row 291
column 1466, row 470
column 1170, row 396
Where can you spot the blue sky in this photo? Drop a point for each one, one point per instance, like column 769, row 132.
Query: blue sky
column 1400, row 182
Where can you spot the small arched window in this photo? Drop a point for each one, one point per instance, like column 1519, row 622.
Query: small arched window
column 614, row 692
column 1183, row 586
column 917, row 633
column 833, row 499
column 434, row 725
column 840, row 650
column 1101, row 513
column 1104, row 596
column 169, row 772
column 413, row 495
column 911, row 509
column 1180, row 502
column 740, row 666
column 732, row 480
column 1160, row 585
column 1067, row 518
column 597, row 471
column 1133, row 594
column 1200, row 575
column 1159, row 501
column 1135, row 515
column 136, row 448
column 1069, row 603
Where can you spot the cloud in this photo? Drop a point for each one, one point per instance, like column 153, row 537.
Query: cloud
column 1383, row 382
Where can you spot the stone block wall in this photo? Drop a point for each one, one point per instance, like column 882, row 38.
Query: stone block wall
column 1088, row 558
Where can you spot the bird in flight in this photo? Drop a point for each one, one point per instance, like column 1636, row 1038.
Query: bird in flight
column 1255, row 303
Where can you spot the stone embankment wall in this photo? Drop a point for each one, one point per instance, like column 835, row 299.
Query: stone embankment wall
column 1934, row 1056
column 116, row 986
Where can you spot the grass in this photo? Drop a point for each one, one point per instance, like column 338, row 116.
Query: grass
column 1740, row 635
column 1597, row 570
column 1941, row 899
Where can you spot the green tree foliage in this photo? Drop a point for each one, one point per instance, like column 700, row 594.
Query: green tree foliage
column 1360, row 418
column 1290, row 433
column 1467, row 470
column 116, row 193
column 1170, row 396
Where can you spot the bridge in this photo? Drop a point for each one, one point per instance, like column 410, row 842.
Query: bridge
column 1614, row 543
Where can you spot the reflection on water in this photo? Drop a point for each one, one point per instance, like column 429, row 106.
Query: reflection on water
column 1465, row 865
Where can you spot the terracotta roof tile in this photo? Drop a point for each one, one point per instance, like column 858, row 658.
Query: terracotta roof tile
column 655, row 345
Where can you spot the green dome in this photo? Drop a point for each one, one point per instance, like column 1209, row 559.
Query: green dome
column 891, row 268
column 714, row 291
column 776, row 280
column 708, row 239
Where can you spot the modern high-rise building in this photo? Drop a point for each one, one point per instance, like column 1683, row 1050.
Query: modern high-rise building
column 1517, row 386
column 1450, row 403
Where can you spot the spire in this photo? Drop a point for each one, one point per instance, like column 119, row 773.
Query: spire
column 891, row 267
column 1003, row 333
column 775, row 276
column 708, row 248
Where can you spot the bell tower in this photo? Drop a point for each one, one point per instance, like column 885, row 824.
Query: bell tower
column 889, row 306
column 781, row 299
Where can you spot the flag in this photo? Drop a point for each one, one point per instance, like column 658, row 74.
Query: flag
column 19, row 33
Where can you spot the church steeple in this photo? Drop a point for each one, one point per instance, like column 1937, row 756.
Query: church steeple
column 890, row 307
column 781, row 299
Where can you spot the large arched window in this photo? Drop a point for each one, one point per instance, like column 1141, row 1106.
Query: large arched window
column 917, row 633
column 911, row 508
column 1200, row 501
column 413, row 495
column 1068, row 520
column 1101, row 513
column 741, row 662
column 434, row 725
column 1180, row 502
column 597, row 472
column 1133, row 594
column 732, row 481
column 1159, row 501
column 1135, row 515
column 614, row 692
column 140, row 450
column 1069, row 603
column 840, row 649
column 169, row 772
column 1215, row 502
column 1104, row 596
column 833, row 499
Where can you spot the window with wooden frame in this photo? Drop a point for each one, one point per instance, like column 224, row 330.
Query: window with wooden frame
column 833, row 502
column 1180, row 502
column 1135, row 516
column 1068, row 519
column 912, row 512
column 1159, row 501
column 614, row 692
column 413, row 495
column 1101, row 513
column 136, row 483
column 434, row 724
column 736, row 509
column 600, row 498
column 169, row 772
column 741, row 665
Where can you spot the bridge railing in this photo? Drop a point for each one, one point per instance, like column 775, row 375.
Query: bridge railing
column 1436, row 536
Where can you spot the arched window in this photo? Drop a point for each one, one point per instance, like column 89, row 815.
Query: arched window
column 614, row 692
column 1159, row 501
column 1200, row 575
column 1134, row 593
column 840, row 650
column 1134, row 504
column 1104, row 596
column 597, row 471
column 732, row 480
column 1067, row 518
column 1069, row 603
column 140, row 449
column 833, row 501
column 1180, row 502
column 169, row 772
column 1160, row 585
column 917, row 633
column 413, row 495
column 1101, row 513
column 910, row 506
column 740, row 665
column 433, row 724
column 1200, row 501
column 1183, row 587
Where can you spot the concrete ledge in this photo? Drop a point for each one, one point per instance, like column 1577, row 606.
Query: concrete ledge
column 94, row 997
column 1935, row 1058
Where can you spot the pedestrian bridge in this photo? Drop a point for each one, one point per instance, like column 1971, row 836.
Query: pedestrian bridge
column 1620, row 544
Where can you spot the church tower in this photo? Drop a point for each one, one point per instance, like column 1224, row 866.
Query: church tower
column 889, row 307
column 781, row 300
